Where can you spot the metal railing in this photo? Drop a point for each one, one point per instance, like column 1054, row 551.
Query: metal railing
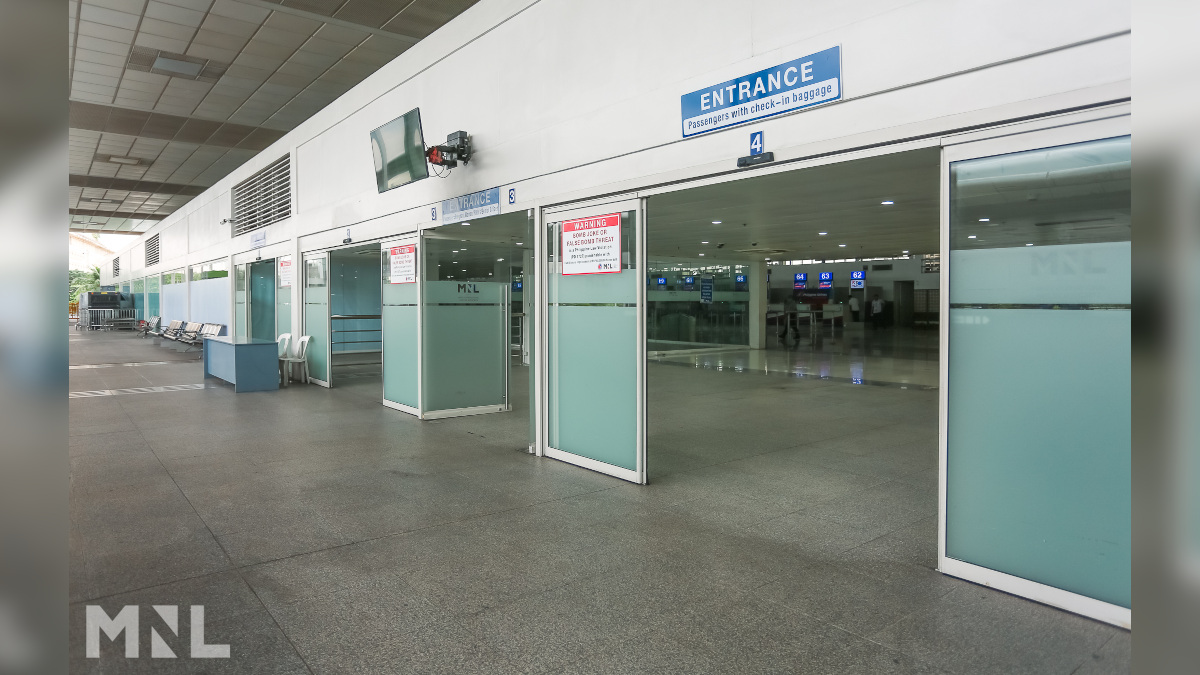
column 355, row 332
column 107, row 319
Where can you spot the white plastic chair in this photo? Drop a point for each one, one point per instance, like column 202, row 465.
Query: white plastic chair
column 299, row 357
column 284, row 340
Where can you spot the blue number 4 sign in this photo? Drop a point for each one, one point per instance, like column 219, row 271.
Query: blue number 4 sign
column 756, row 143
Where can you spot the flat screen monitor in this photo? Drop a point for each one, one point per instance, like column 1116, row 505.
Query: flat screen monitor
column 398, row 149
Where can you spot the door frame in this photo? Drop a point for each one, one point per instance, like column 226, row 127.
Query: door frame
column 1010, row 139
column 304, row 257
column 554, row 214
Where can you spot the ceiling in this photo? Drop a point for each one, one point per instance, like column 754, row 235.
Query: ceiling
column 780, row 216
column 169, row 96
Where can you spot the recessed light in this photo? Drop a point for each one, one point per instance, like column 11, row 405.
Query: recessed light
column 499, row 259
column 984, row 220
column 701, row 255
column 454, row 251
column 716, row 222
column 841, row 246
column 704, row 242
column 465, row 224
column 766, row 258
column 519, row 243
column 887, row 203
column 822, row 233
column 124, row 160
column 904, row 252
column 970, row 236
column 1029, row 244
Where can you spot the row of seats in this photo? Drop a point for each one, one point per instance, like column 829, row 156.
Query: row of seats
column 188, row 333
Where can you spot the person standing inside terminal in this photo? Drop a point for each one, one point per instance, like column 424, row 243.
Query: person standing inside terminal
column 854, row 307
column 876, row 312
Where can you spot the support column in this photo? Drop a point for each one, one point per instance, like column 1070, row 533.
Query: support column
column 757, row 313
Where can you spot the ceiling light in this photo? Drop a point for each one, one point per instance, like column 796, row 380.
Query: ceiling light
column 177, row 66
column 970, row 236
column 841, row 246
column 701, row 255
column 766, row 258
column 124, row 160
column 822, row 233
column 499, row 259
column 454, row 251
column 1029, row 244
column 984, row 220
column 887, row 203
column 465, row 224
column 904, row 252
column 704, row 242
column 716, row 222
column 519, row 243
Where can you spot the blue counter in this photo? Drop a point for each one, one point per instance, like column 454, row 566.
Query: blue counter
column 248, row 364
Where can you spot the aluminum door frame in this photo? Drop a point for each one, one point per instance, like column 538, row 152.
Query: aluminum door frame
column 556, row 214
column 327, row 383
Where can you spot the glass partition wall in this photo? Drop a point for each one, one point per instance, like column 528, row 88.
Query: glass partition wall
column 691, row 305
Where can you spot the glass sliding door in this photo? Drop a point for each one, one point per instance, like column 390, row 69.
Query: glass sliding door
column 262, row 300
column 316, row 316
column 241, row 297
column 595, row 352
column 1037, row 451
column 401, row 320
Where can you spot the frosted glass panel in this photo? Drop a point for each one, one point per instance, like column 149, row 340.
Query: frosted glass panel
column 241, row 306
column 399, row 339
column 316, row 315
column 1038, row 438
column 465, row 359
column 283, row 307
column 592, row 358
column 210, row 301
column 152, row 296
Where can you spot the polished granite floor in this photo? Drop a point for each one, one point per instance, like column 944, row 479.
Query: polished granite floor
column 790, row 526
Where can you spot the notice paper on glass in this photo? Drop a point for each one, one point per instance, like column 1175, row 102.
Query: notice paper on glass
column 592, row 245
column 404, row 264
column 285, row 271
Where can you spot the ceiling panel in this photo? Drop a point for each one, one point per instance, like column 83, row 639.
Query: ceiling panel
column 268, row 65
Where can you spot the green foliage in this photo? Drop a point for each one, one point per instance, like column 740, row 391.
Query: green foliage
column 82, row 281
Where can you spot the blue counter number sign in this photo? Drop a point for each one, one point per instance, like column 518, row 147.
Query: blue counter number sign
column 858, row 274
column 756, row 143
column 801, row 277
column 826, row 276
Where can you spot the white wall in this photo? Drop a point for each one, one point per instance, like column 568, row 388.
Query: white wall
column 567, row 99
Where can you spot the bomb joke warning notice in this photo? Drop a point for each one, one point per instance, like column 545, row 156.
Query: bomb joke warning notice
column 404, row 264
column 592, row 245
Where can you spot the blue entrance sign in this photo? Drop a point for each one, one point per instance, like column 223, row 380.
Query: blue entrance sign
column 800, row 83
column 475, row 205
column 706, row 289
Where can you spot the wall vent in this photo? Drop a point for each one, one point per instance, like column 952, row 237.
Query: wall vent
column 152, row 251
column 264, row 198
column 881, row 268
column 150, row 60
column 116, row 267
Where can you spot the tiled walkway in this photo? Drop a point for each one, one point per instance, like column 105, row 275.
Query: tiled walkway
column 790, row 526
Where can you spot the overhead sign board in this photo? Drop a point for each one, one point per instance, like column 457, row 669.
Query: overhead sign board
column 799, row 83
column 706, row 290
column 403, row 264
column 592, row 245
column 475, row 205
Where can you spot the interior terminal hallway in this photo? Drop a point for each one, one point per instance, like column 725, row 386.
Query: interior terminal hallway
column 325, row 533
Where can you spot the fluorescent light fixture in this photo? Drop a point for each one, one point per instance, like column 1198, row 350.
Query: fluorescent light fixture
column 701, row 255
column 716, row 222
column 465, row 224
column 984, row 220
column 499, row 259
column 124, row 160
column 841, row 246
column 904, row 252
column 177, row 67
column 1029, row 244
column 822, row 233
column 887, row 203
column 970, row 236
column 520, row 243
column 704, row 242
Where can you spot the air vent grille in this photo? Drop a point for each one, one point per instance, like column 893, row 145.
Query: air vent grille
column 116, row 267
column 152, row 251
column 264, row 198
